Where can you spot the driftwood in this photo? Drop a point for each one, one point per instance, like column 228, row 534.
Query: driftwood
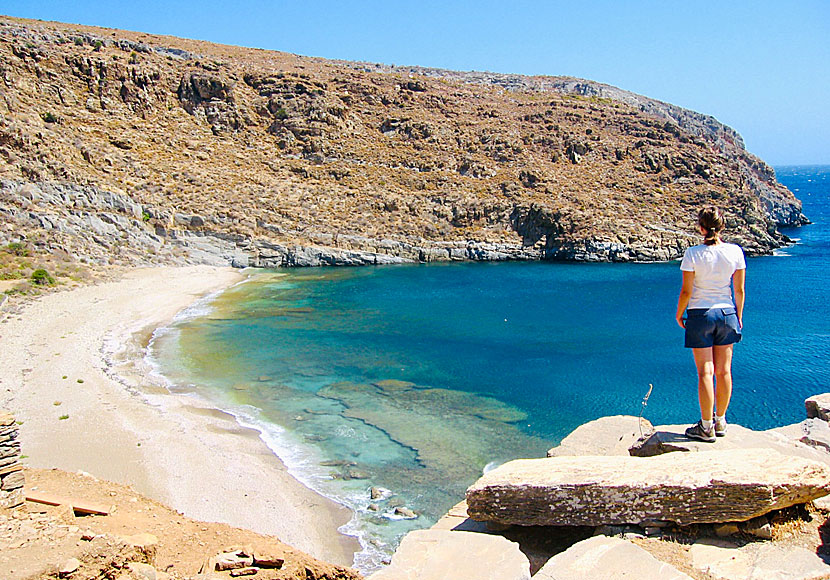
column 79, row 507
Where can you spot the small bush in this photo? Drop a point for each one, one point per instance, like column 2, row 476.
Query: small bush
column 48, row 118
column 41, row 277
column 98, row 44
column 79, row 41
column 17, row 248
column 281, row 114
column 63, row 417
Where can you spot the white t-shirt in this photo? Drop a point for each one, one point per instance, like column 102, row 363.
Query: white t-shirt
column 713, row 267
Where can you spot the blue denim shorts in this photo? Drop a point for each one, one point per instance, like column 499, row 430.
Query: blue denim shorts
column 706, row 327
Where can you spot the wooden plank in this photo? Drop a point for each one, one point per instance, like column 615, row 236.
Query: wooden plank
column 80, row 507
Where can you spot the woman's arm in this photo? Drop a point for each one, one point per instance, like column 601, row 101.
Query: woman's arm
column 685, row 295
column 739, row 283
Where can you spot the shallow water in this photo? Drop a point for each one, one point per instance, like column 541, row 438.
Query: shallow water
column 414, row 378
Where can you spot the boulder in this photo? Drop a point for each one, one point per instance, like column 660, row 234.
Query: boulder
column 604, row 436
column 69, row 567
column 756, row 561
column 685, row 488
column 609, row 559
column 439, row 554
column 142, row 571
column 668, row 438
column 818, row 407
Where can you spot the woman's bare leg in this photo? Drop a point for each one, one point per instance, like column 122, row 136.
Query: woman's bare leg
column 705, row 363
column 722, row 358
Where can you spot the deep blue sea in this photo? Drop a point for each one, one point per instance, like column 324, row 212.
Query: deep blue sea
column 415, row 378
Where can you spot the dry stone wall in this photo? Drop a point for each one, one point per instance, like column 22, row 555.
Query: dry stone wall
column 11, row 471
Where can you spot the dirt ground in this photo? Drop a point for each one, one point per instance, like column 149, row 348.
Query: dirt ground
column 37, row 540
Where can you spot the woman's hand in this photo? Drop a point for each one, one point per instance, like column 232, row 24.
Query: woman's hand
column 680, row 322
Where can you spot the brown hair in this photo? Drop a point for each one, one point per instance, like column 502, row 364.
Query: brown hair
column 711, row 220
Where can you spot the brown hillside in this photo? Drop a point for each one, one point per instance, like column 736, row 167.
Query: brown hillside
column 126, row 147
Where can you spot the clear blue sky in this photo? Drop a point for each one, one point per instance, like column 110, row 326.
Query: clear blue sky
column 759, row 66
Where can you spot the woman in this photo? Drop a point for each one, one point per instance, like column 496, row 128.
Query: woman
column 713, row 320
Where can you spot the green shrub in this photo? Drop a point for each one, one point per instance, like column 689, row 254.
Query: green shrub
column 281, row 114
column 98, row 44
column 41, row 277
column 17, row 248
column 79, row 41
column 48, row 118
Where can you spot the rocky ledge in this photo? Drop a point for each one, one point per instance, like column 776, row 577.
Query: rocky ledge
column 620, row 498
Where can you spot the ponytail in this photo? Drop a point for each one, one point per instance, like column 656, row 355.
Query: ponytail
column 711, row 220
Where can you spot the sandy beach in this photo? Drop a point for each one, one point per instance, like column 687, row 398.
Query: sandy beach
column 79, row 412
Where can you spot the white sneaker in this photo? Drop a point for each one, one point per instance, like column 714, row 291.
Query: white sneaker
column 720, row 427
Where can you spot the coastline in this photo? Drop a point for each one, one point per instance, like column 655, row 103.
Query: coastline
column 107, row 418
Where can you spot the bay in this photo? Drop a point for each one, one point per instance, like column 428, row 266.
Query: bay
column 416, row 378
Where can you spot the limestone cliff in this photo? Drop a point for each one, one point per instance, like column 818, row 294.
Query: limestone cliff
column 126, row 147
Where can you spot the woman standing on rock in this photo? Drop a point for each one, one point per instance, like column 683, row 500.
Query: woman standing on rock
column 713, row 320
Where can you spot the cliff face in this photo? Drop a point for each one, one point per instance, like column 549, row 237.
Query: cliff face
column 269, row 159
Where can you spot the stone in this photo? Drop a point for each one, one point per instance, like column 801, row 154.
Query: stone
column 756, row 561
column 233, row 560
column 684, row 488
column 816, row 433
column 13, row 481
column 377, row 492
column 69, row 567
column 439, row 554
column 607, row 558
column 822, row 504
column 727, row 529
column 405, row 513
column 604, row 436
column 6, row 419
column 759, row 527
column 244, row 572
column 145, row 543
column 609, row 531
column 143, row 571
column 670, row 438
column 817, row 407
column 263, row 560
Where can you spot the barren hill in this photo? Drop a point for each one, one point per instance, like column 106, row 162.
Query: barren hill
column 123, row 147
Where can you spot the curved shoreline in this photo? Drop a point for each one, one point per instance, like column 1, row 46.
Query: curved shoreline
column 79, row 412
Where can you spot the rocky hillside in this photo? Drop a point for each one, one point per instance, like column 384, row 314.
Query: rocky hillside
column 122, row 147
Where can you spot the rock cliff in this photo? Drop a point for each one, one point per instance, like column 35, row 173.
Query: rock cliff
column 208, row 152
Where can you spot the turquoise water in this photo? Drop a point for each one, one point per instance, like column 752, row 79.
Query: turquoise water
column 415, row 378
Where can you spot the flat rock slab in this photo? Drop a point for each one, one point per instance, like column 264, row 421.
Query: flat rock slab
column 669, row 438
column 448, row 555
column 609, row 559
column 757, row 561
column 686, row 488
column 604, row 436
column 816, row 433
